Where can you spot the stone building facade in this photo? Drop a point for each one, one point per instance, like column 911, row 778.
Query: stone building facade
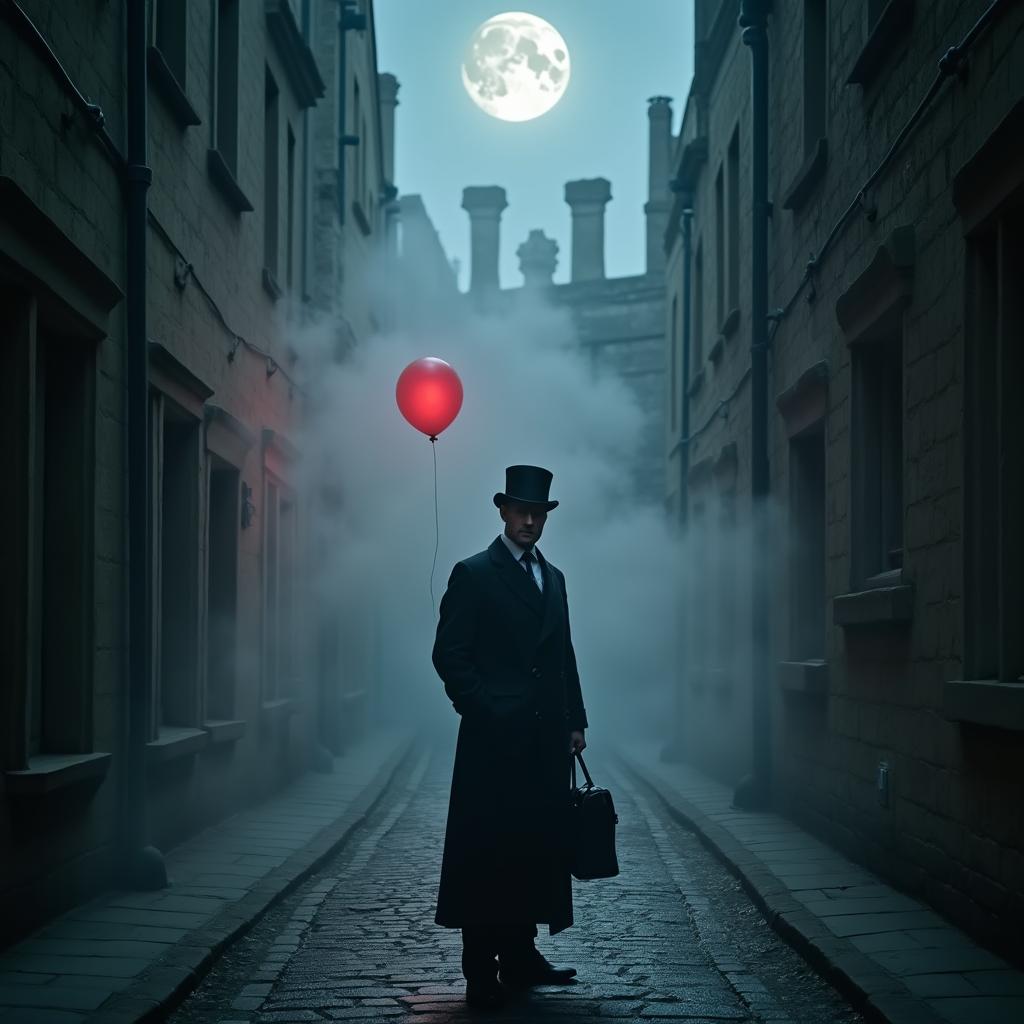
column 236, row 263
column 618, row 322
column 894, row 434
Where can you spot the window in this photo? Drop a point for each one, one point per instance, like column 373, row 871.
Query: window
column 807, row 600
column 271, row 174
column 59, row 545
column 279, row 592
column 286, row 583
column 176, row 551
column 170, row 19
column 226, row 136
column 725, row 551
column 290, row 215
column 720, row 257
column 222, row 588
column 877, row 458
column 357, row 192
column 697, row 354
column 367, row 192
column 673, row 398
column 733, row 207
column 994, row 448
column 700, row 617
column 815, row 72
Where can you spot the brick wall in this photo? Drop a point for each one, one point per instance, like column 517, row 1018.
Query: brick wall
column 68, row 182
column 952, row 829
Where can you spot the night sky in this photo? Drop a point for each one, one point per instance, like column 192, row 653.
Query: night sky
column 598, row 129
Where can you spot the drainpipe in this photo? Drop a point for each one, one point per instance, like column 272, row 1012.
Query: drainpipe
column 686, row 225
column 755, row 791
column 349, row 19
column 676, row 751
column 141, row 865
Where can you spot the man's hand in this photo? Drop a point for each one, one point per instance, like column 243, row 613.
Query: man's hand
column 577, row 742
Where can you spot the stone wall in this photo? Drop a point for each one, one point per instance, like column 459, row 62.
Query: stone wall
column 241, row 698
column 949, row 826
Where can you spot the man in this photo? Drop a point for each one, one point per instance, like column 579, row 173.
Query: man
column 504, row 653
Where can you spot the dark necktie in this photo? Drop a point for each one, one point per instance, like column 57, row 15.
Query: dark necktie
column 528, row 560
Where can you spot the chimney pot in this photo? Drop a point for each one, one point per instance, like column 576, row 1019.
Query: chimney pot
column 387, row 93
column 538, row 257
column 587, row 199
column 484, row 204
column 659, row 198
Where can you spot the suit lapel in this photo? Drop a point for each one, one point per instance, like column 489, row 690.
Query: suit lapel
column 513, row 575
column 552, row 599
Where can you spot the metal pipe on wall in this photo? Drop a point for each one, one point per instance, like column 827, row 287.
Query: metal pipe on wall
column 686, row 225
column 141, row 865
column 686, row 229
column 756, row 790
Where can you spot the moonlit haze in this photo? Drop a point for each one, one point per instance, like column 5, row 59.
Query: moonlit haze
column 598, row 127
column 530, row 397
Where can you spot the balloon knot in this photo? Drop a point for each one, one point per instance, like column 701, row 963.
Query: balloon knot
column 433, row 439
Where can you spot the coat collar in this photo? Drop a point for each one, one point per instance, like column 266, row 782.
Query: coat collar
column 515, row 578
column 548, row 604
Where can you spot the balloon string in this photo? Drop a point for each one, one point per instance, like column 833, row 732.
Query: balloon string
column 437, row 531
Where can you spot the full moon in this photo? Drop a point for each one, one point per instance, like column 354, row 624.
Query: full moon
column 516, row 66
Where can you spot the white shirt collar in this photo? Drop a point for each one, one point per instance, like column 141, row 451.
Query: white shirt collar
column 516, row 550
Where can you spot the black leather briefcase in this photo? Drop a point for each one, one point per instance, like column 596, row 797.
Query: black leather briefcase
column 593, row 829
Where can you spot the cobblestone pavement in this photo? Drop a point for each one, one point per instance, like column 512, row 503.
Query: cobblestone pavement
column 672, row 938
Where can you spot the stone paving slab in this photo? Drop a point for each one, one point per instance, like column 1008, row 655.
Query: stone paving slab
column 891, row 954
column 126, row 955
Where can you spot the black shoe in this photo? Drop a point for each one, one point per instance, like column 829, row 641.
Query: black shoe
column 484, row 994
column 536, row 970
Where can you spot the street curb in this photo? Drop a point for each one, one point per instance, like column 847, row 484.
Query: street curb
column 880, row 996
column 161, row 987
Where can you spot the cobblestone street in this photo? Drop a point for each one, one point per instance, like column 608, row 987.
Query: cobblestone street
column 672, row 938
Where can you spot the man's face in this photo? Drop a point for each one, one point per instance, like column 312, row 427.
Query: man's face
column 524, row 523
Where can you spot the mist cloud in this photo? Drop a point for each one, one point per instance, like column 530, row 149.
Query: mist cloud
column 531, row 396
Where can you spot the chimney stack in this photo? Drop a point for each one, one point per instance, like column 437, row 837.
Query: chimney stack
column 587, row 199
column 538, row 257
column 387, row 92
column 484, row 204
column 659, row 199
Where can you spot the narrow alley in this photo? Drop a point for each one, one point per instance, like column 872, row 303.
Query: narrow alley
column 672, row 938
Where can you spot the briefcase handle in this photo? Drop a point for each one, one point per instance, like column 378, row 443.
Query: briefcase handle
column 583, row 764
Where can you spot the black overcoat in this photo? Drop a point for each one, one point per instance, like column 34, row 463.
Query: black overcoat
column 504, row 653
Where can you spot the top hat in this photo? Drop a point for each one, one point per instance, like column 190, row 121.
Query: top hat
column 526, row 485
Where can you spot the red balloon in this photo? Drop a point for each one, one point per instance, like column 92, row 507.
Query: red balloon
column 429, row 394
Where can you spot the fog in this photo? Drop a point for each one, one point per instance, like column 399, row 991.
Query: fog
column 531, row 396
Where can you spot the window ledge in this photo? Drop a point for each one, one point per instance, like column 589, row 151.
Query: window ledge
column 893, row 24
column 174, row 742
column 696, row 384
column 270, row 285
column 715, row 353
column 167, row 85
column 808, row 677
column 730, row 323
column 48, row 773
column 986, row 702
column 807, row 177
column 225, row 181
column 224, row 730
column 279, row 707
column 876, row 606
